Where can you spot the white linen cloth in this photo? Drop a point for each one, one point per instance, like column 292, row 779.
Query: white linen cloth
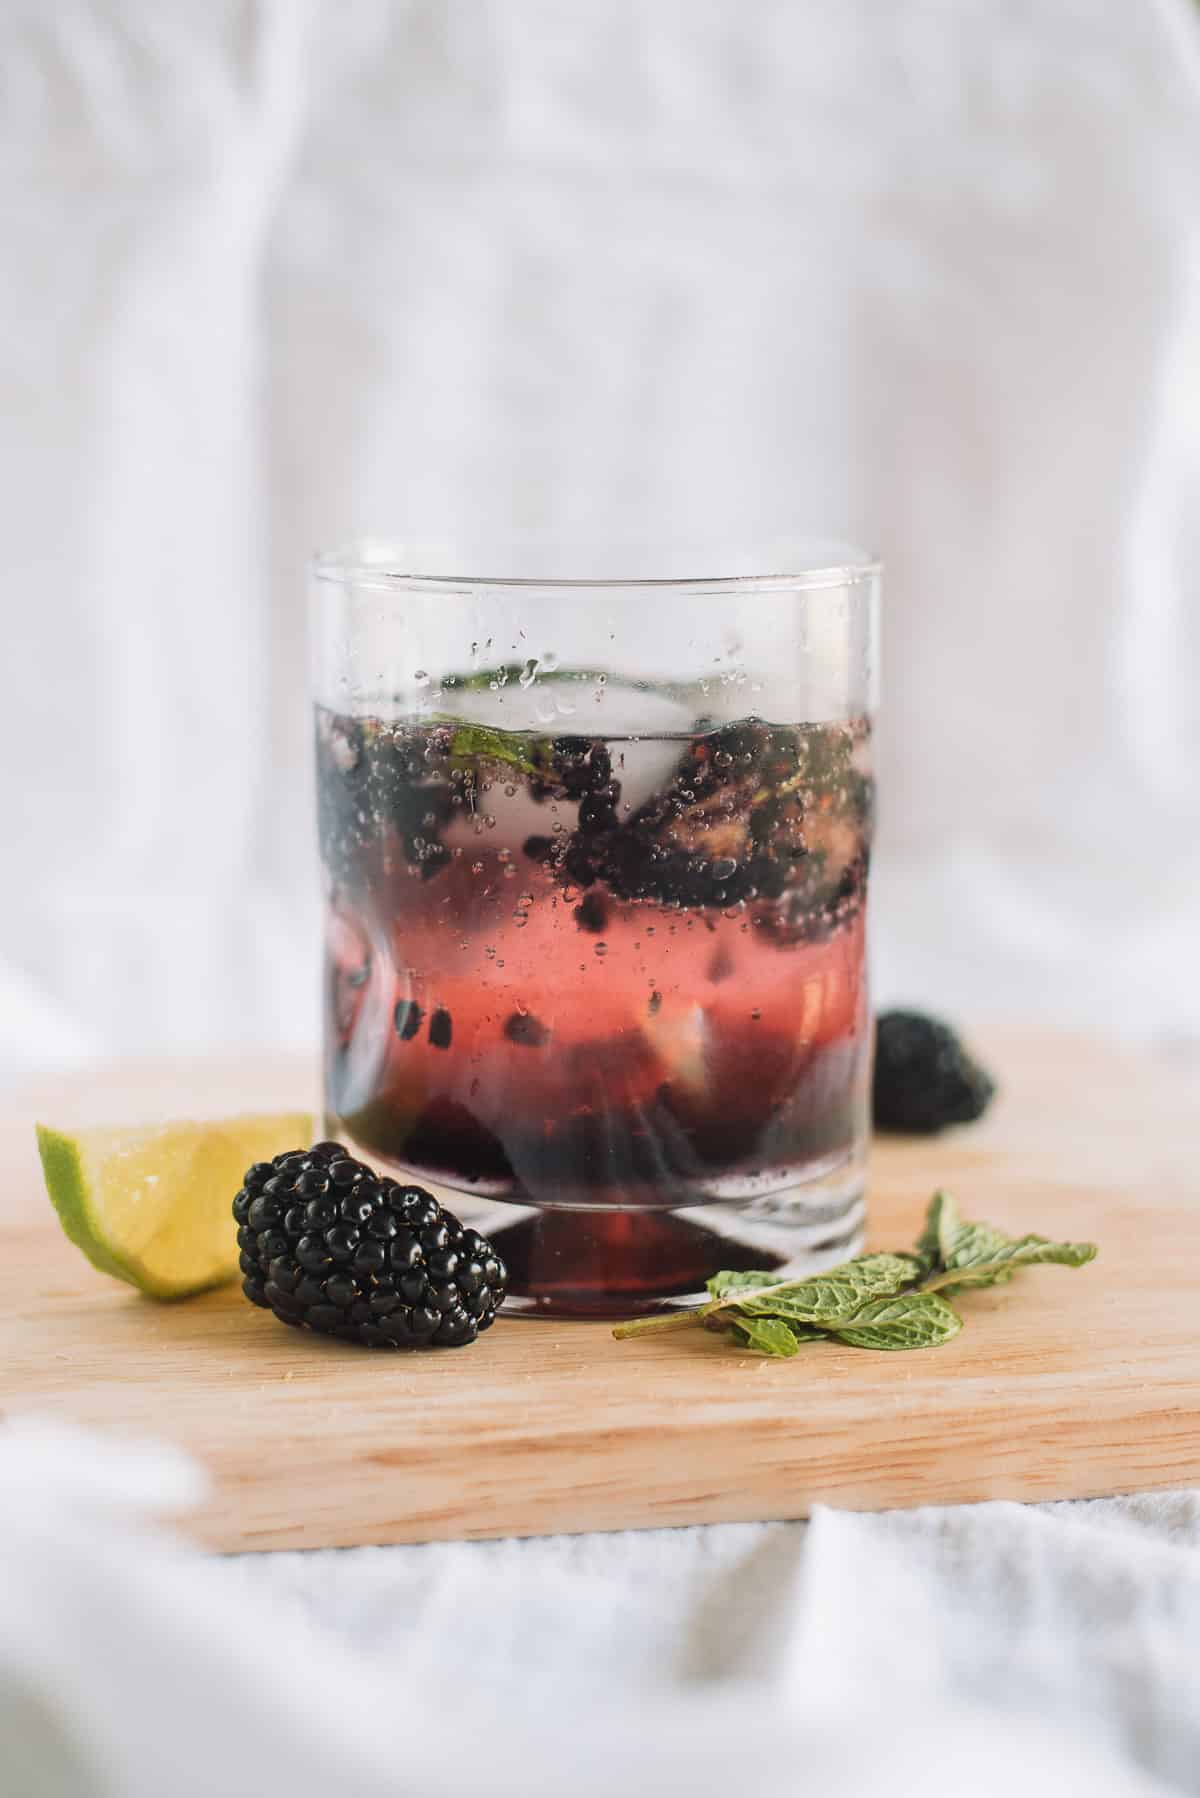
column 994, row 1650
column 921, row 273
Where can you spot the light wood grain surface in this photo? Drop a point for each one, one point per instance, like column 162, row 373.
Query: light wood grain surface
column 1066, row 1384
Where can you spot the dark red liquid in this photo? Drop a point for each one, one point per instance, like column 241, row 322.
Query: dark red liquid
column 527, row 1025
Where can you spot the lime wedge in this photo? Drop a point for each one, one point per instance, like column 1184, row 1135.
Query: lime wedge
column 153, row 1205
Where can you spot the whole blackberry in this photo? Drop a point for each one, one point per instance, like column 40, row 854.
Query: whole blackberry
column 924, row 1078
column 327, row 1244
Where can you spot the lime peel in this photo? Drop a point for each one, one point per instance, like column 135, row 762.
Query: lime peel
column 152, row 1205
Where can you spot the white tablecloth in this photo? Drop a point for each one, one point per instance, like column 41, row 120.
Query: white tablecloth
column 994, row 1649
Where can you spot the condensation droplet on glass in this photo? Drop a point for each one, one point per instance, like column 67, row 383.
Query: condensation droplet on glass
column 563, row 706
column 489, row 949
column 528, row 673
column 544, row 711
column 509, row 792
column 756, row 1014
column 477, row 867
column 550, row 661
column 421, row 678
column 490, row 821
column 600, row 951
column 499, row 961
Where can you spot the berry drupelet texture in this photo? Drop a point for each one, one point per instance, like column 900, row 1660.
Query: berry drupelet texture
column 924, row 1078
column 328, row 1245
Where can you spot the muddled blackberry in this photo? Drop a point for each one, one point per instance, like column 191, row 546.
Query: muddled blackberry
column 753, row 811
column 328, row 1245
column 591, row 914
column 924, row 1078
column 570, row 768
column 374, row 775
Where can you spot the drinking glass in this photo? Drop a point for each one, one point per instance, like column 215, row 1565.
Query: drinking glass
column 595, row 849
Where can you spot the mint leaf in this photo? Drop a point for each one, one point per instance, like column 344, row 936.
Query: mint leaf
column 822, row 1297
column 770, row 1336
column 721, row 1285
column 877, row 1301
column 942, row 1222
column 982, row 1256
column 471, row 742
column 912, row 1320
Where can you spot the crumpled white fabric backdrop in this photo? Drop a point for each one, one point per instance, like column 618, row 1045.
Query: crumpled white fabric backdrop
column 923, row 274
column 920, row 274
column 992, row 1649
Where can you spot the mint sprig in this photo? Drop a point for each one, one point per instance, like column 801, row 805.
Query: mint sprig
column 876, row 1301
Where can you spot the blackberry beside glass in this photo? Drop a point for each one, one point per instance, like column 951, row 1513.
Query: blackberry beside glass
column 595, row 932
column 329, row 1246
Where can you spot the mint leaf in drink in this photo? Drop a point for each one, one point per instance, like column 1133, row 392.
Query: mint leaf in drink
column 911, row 1320
column 876, row 1301
column 473, row 742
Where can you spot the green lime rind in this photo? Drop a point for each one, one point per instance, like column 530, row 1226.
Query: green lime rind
column 153, row 1207
column 70, row 1195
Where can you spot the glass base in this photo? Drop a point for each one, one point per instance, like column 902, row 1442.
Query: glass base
column 633, row 1259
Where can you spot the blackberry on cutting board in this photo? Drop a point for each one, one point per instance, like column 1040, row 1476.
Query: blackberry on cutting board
column 329, row 1245
column 924, row 1077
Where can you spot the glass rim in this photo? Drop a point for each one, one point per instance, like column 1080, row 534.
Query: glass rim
column 390, row 569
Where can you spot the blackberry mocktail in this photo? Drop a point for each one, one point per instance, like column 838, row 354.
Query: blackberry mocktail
column 595, row 850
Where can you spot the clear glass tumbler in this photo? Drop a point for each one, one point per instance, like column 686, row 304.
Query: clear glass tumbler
column 595, row 856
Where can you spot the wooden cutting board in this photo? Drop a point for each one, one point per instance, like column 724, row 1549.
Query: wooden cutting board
column 1066, row 1384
